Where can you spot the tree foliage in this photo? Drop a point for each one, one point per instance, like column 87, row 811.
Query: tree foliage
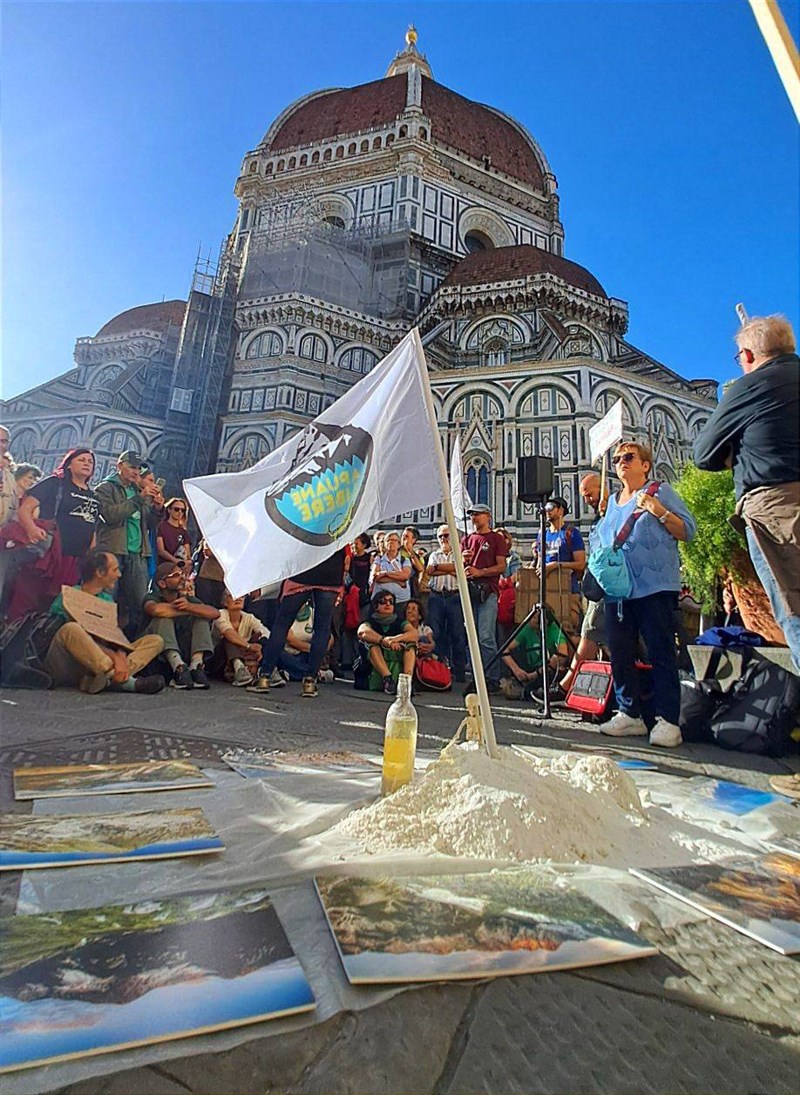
column 711, row 499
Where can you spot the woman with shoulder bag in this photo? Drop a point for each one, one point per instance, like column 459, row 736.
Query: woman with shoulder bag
column 643, row 522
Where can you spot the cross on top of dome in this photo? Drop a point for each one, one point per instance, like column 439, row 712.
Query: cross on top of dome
column 410, row 56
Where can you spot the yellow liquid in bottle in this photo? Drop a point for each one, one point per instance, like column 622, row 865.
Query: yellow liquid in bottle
column 398, row 760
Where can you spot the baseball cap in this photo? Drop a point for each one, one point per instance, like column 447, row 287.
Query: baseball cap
column 556, row 501
column 164, row 570
column 130, row 456
column 479, row 508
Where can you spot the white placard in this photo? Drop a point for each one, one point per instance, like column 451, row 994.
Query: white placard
column 606, row 432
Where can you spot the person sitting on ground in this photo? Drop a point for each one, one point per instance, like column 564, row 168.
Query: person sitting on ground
column 391, row 571
column 64, row 508
column 76, row 658
column 415, row 616
column 183, row 622
column 173, row 542
column 524, row 657
column 386, row 646
column 241, row 635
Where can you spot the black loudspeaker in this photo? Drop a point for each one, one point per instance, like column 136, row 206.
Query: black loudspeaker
column 534, row 478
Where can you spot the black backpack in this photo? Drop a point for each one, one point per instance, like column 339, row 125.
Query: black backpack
column 23, row 647
column 760, row 711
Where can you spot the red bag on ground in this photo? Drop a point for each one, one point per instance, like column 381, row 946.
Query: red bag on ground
column 432, row 674
column 592, row 690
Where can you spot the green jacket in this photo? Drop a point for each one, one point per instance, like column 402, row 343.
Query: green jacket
column 115, row 509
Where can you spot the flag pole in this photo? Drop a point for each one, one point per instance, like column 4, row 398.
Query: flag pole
column 487, row 722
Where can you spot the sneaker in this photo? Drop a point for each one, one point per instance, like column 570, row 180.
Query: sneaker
column 261, row 685
column 148, row 685
column 558, row 695
column 666, row 734
column 276, row 680
column 199, row 678
column 92, row 684
column 182, row 678
column 242, row 677
column 389, row 687
column 623, row 726
column 325, row 676
column 310, row 689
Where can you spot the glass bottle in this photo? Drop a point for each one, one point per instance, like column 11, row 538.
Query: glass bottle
column 400, row 739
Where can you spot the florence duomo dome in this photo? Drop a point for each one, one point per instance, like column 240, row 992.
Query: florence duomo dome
column 362, row 212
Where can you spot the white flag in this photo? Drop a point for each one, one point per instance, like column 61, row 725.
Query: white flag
column 459, row 495
column 606, row 432
column 370, row 455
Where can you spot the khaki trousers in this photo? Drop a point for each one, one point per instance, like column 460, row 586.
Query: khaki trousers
column 74, row 658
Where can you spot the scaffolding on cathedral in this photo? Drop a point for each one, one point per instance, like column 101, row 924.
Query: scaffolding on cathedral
column 300, row 246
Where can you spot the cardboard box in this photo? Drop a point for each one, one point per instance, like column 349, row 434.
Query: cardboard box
column 566, row 606
column 96, row 616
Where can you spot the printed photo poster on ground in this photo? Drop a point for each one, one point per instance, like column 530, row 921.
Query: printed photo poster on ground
column 606, row 432
column 372, row 454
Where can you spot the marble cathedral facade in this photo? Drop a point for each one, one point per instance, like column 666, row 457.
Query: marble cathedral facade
column 363, row 212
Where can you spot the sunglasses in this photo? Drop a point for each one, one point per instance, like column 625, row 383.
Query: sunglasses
column 385, row 600
column 177, row 509
column 443, row 536
column 623, row 458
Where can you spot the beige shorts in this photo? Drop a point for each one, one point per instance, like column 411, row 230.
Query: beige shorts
column 593, row 626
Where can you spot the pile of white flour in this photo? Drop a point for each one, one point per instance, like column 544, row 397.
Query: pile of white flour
column 565, row 809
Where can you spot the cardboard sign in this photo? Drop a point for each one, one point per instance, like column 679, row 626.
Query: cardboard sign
column 96, row 616
column 606, row 432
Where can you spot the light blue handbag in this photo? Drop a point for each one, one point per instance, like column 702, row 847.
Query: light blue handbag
column 609, row 566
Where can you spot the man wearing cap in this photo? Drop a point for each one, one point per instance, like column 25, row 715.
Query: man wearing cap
column 485, row 555
column 565, row 550
column 128, row 510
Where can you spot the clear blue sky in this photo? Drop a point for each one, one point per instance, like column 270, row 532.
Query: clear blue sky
column 124, row 125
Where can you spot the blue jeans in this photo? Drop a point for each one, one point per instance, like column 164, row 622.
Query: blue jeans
column 323, row 601
column 653, row 618
column 447, row 623
column 789, row 624
column 486, row 623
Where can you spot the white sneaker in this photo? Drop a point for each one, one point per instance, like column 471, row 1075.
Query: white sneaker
column 325, row 676
column 242, row 677
column 666, row 734
column 276, row 680
column 623, row 726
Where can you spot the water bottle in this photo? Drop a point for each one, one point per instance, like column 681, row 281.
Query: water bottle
column 400, row 739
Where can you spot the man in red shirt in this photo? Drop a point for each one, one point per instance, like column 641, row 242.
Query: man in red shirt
column 485, row 555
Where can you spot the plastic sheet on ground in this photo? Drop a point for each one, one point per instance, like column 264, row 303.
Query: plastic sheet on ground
column 275, row 834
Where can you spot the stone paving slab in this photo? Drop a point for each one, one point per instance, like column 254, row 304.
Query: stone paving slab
column 555, row 1033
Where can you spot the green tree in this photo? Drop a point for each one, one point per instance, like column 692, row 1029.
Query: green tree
column 710, row 555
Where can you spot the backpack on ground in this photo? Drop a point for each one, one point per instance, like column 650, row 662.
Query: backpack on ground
column 592, row 690
column 23, row 647
column 760, row 711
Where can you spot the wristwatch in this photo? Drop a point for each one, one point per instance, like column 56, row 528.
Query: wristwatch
column 662, row 520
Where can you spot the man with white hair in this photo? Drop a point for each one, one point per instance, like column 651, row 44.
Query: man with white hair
column 754, row 430
column 444, row 605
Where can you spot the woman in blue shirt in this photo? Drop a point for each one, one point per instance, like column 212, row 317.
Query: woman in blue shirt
column 651, row 552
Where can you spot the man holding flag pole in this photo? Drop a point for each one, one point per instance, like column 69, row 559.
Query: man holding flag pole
column 365, row 458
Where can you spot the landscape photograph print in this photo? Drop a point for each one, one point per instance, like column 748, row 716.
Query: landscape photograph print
column 756, row 895
column 431, row 928
column 89, row 981
column 66, row 780
column 80, row 839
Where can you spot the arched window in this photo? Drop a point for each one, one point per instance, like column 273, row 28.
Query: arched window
column 292, row 162
column 376, row 143
column 336, row 221
column 248, row 450
column 423, row 134
column 403, row 131
column 340, row 152
column 281, row 165
column 304, row 160
column 358, row 360
column 267, row 344
column 478, row 482
column 327, row 154
column 116, row 441
column 23, row 445
column 253, row 168
column 496, row 352
column 477, row 241
column 63, row 439
column 269, row 169
column 351, row 149
column 365, row 146
column 315, row 157
column 312, row 347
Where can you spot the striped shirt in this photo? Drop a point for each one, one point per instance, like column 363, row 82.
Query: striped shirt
column 442, row 583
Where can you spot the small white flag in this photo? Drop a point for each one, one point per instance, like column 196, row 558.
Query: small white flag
column 606, row 432
column 372, row 454
column 459, row 495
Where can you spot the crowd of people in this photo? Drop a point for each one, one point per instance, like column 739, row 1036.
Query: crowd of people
column 383, row 605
